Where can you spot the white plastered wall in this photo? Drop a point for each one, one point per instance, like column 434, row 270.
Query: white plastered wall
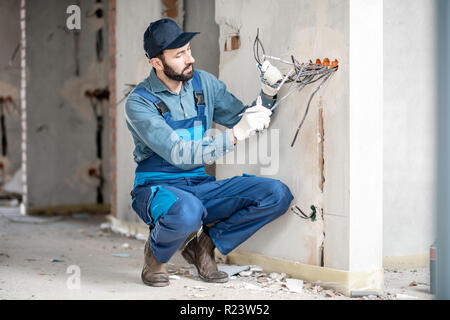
column 409, row 126
column 132, row 68
column 307, row 30
column 313, row 29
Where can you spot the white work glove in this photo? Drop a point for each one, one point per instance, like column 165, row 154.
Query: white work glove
column 254, row 118
column 271, row 75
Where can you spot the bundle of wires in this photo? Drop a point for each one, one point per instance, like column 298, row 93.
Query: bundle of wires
column 301, row 75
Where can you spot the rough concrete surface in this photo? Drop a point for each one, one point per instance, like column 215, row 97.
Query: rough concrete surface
column 41, row 258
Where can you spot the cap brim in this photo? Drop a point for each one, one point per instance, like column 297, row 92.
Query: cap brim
column 181, row 40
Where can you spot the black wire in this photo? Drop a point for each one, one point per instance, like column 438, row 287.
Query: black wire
column 321, row 77
column 303, row 214
column 307, row 109
column 305, row 80
column 256, row 46
column 127, row 92
column 312, row 216
column 295, row 65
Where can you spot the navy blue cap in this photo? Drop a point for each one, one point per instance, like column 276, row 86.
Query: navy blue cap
column 164, row 34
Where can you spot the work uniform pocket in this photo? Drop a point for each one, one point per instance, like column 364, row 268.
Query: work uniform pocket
column 151, row 202
column 162, row 200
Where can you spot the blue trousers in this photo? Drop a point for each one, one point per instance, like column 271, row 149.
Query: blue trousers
column 237, row 207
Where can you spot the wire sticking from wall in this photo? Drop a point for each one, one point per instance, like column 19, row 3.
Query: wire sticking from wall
column 301, row 75
column 299, row 212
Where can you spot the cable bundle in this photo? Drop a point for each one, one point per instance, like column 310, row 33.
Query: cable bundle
column 301, row 75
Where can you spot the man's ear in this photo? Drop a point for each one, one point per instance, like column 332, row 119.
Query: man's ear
column 157, row 64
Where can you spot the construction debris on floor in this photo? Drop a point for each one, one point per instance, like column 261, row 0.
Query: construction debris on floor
column 81, row 257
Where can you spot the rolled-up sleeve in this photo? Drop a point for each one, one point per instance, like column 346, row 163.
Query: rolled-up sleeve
column 151, row 128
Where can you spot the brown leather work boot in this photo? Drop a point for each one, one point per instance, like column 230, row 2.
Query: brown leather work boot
column 200, row 252
column 154, row 273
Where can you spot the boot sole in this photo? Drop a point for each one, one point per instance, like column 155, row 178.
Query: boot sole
column 190, row 260
column 155, row 284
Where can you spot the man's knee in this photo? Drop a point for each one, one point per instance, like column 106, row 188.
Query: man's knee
column 280, row 193
column 188, row 214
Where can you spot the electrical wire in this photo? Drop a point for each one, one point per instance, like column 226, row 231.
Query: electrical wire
column 301, row 75
column 256, row 45
column 299, row 212
column 307, row 109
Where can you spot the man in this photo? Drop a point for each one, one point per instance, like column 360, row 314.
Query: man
column 168, row 115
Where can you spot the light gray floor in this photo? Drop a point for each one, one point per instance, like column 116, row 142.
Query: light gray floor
column 85, row 256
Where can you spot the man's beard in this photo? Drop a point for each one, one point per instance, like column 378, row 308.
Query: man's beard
column 172, row 74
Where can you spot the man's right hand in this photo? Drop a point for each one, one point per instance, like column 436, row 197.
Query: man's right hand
column 254, row 118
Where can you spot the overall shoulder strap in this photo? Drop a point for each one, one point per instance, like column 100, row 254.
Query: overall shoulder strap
column 159, row 104
column 199, row 96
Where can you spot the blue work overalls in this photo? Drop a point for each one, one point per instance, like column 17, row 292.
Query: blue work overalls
column 176, row 203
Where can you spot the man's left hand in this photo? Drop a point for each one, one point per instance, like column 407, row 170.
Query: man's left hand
column 271, row 75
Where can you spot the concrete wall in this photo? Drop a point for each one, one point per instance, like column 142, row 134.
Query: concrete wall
column 320, row 29
column 409, row 126
column 131, row 67
column 307, row 30
column 10, row 83
column 61, row 127
column 199, row 17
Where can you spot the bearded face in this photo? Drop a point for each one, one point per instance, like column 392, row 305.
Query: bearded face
column 184, row 74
